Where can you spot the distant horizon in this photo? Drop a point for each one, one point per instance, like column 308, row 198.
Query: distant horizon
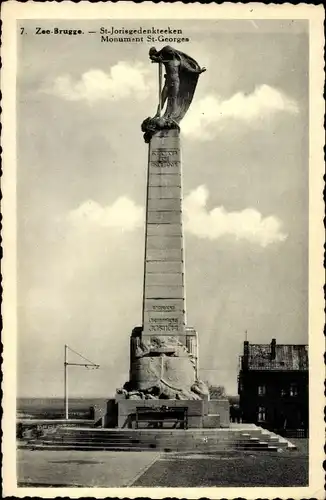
column 86, row 397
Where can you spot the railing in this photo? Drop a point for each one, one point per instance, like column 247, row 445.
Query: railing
column 275, row 365
column 293, row 433
column 265, row 363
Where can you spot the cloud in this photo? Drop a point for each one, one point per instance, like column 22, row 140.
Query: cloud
column 263, row 103
column 247, row 224
column 124, row 80
column 123, row 214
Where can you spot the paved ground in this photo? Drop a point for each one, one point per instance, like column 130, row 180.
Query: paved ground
column 149, row 469
column 81, row 468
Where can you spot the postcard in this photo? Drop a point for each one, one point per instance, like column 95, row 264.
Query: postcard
column 163, row 250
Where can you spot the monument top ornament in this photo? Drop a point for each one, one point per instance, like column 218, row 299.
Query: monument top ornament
column 181, row 77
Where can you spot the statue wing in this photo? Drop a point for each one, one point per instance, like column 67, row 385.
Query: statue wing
column 188, row 83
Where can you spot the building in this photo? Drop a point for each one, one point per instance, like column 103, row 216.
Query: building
column 273, row 386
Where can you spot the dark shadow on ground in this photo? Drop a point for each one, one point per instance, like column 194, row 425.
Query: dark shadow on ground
column 245, row 470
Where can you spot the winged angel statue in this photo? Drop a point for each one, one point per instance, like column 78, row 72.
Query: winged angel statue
column 181, row 77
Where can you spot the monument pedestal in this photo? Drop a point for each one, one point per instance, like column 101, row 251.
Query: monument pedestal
column 201, row 413
column 127, row 411
column 164, row 351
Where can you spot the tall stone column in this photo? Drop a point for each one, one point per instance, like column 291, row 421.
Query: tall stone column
column 160, row 355
column 163, row 295
column 163, row 352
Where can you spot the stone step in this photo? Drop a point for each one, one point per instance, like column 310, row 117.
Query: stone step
column 158, row 433
column 94, row 445
column 145, row 441
column 253, row 446
column 87, row 440
column 141, row 434
column 95, row 439
column 139, row 439
column 150, row 433
column 163, row 439
column 279, row 440
column 89, row 447
column 255, row 432
column 159, row 443
column 270, row 439
column 156, row 438
column 56, row 447
column 149, row 446
column 172, row 445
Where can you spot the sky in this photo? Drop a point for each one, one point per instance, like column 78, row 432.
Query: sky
column 81, row 187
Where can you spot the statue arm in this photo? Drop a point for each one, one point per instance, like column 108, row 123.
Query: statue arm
column 159, row 59
column 164, row 96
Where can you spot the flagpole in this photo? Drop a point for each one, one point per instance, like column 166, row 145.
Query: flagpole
column 66, row 382
column 160, row 87
column 66, row 364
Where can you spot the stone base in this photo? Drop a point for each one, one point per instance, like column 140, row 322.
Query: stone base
column 120, row 412
column 151, row 126
column 106, row 413
column 162, row 367
column 211, row 421
column 220, row 407
column 127, row 411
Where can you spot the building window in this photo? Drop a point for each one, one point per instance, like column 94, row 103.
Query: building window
column 283, row 392
column 293, row 390
column 261, row 390
column 261, row 414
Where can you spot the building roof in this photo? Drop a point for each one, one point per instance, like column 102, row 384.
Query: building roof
column 287, row 357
